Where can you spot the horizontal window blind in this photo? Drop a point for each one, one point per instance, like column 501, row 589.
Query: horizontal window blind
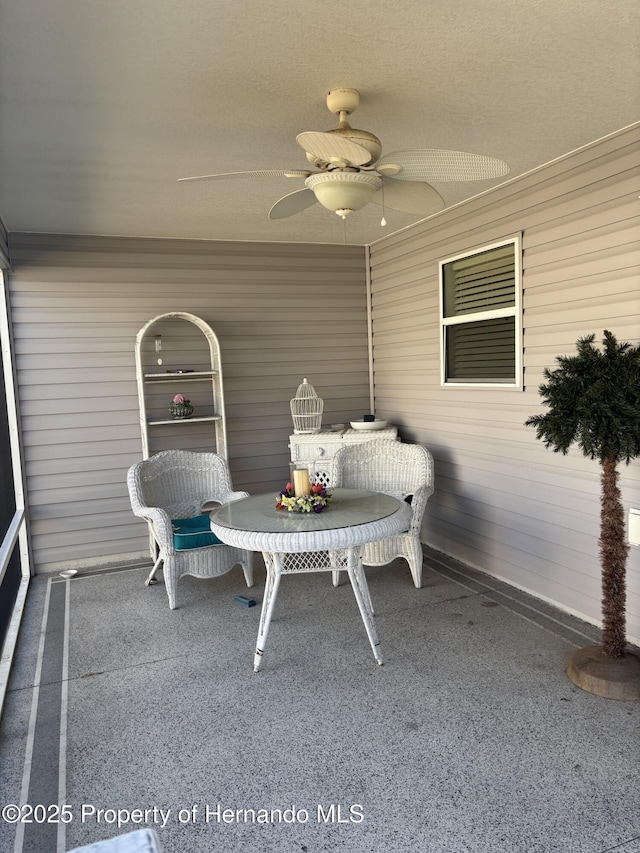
column 481, row 351
column 483, row 282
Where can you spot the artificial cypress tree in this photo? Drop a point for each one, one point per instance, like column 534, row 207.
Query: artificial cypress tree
column 594, row 402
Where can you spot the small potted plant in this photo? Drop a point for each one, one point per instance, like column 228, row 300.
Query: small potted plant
column 180, row 407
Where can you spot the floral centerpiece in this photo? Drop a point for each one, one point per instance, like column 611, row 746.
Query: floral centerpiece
column 180, row 407
column 316, row 501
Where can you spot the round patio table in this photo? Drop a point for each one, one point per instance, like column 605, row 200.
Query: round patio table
column 295, row 543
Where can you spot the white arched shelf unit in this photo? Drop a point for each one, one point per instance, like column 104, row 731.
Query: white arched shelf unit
column 178, row 353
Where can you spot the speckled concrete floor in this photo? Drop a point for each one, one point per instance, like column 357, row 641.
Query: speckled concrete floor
column 469, row 738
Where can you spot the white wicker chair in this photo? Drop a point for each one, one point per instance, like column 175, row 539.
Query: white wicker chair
column 139, row 841
column 397, row 469
column 177, row 484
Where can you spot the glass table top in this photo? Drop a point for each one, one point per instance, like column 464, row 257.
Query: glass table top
column 348, row 508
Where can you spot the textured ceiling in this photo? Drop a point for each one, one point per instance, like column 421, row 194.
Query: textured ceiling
column 104, row 104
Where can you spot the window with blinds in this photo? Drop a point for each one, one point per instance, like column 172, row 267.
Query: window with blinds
column 480, row 316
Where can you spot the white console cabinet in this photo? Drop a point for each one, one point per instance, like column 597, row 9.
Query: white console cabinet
column 315, row 451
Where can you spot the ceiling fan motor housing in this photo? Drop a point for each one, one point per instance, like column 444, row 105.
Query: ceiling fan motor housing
column 363, row 138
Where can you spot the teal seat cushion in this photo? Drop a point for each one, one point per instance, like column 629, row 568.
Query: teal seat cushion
column 193, row 533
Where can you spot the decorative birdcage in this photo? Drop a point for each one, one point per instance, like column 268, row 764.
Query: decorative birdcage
column 306, row 409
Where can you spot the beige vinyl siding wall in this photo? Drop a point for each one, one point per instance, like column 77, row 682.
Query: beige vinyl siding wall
column 281, row 312
column 503, row 502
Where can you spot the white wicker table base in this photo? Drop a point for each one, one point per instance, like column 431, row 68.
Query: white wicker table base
column 279, row 564
column 330, row 541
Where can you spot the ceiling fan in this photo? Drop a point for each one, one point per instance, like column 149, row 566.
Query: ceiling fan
column 350, row 171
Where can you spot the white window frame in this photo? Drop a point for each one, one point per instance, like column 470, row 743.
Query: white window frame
column 511, row 311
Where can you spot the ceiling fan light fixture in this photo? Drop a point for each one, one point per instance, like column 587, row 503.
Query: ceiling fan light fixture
column 344, row 192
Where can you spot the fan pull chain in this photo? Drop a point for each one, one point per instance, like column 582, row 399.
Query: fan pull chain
column 383, row 221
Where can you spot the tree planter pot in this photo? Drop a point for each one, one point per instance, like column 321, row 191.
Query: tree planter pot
column 613, row 678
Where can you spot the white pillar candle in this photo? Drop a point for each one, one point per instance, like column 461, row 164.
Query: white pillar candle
column 301, row 484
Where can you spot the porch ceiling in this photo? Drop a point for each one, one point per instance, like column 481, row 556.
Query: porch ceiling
column 105, row 104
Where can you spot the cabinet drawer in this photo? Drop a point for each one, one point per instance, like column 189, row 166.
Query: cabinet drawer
column 319, row 451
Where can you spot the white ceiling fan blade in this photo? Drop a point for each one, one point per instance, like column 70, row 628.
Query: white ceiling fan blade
column 439, row 165
column 329, row 147
column 292, row 203
column 409, row 197
column 262, row 173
